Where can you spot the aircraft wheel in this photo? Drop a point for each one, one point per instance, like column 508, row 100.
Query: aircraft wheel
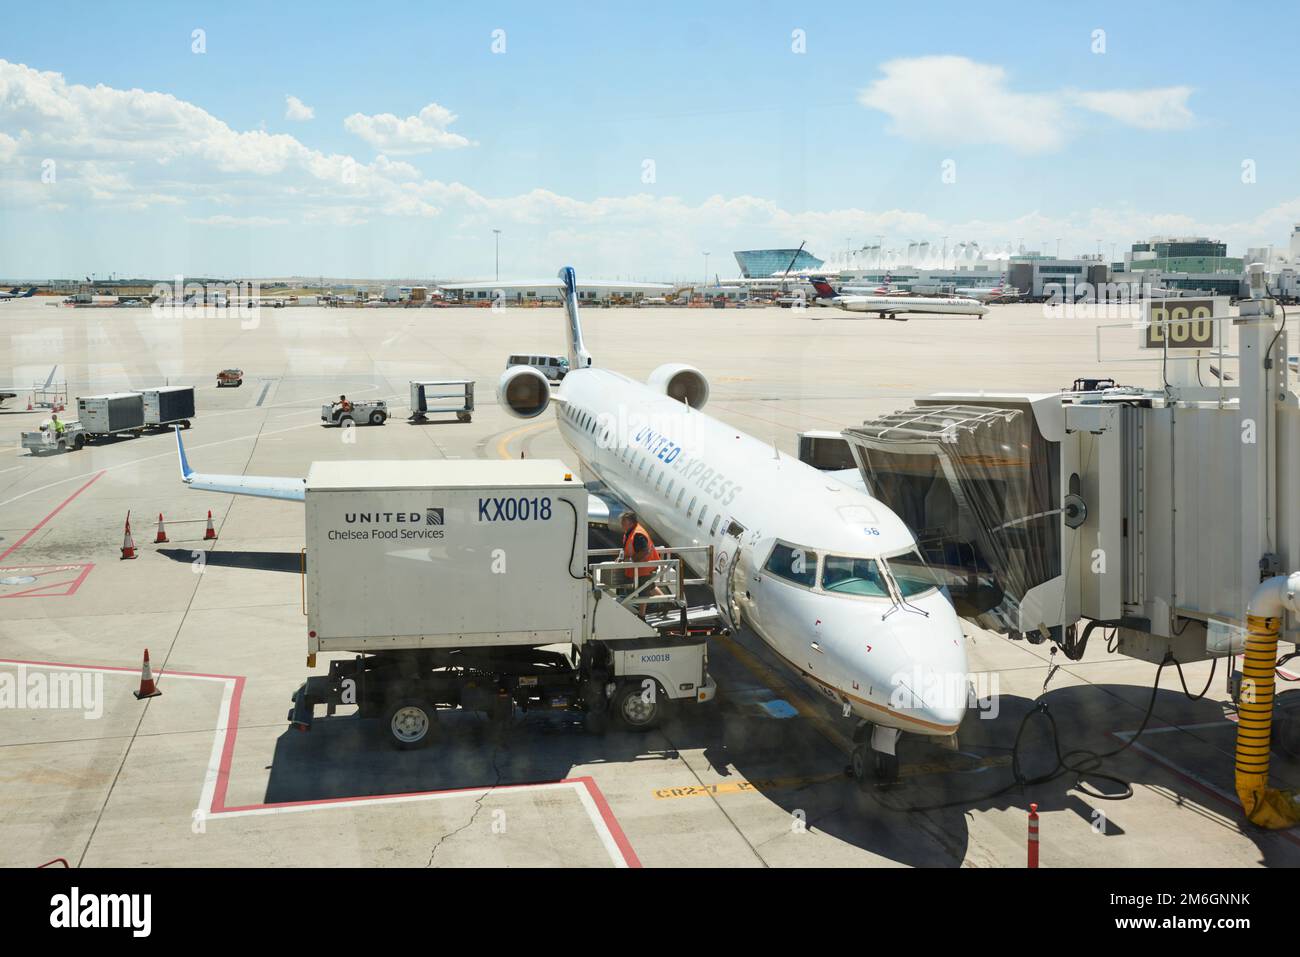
column 886, row 767
column 860, row 764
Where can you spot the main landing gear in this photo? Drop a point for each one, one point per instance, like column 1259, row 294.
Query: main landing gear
column 874, row 755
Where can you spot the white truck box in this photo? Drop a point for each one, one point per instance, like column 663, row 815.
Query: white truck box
column 116, row 412
column 444, row 554
column 169, row 403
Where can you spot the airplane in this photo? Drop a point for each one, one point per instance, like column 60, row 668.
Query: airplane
column 886, row 288
column 15, row 294
column 896, row 307
column 5, row 396
column 989, row 294
column 826, row 576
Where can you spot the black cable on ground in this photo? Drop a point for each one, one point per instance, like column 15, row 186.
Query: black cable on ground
column 1080, row 761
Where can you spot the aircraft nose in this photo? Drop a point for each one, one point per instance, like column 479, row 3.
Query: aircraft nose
column 935, row 689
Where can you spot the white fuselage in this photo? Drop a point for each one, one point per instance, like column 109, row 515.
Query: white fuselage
column 937, row 305
column 694, row 480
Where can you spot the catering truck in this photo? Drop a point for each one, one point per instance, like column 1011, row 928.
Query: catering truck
column 467, row 584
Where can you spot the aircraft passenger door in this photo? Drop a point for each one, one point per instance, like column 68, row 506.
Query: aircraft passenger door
column 728, row 575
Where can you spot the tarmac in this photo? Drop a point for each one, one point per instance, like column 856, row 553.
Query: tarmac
column 210, row 774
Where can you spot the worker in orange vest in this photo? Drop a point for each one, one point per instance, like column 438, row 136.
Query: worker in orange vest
column 638, row 546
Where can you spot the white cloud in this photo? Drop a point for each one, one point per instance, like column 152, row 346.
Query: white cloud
column 415, row 134
column 1158, row 109
column 949, row 99
column 954, row 100
column 296, row 109
column 132, row 150
column 222, row 219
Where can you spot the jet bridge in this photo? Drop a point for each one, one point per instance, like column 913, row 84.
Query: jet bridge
column 1154, row 511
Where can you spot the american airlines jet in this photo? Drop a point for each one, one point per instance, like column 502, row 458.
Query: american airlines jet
column 828, row 577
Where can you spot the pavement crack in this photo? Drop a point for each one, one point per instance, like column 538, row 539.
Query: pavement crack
column 478, row 806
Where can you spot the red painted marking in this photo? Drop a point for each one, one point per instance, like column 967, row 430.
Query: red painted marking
column 41, row 524
column 611, row 822
column 228, row 752
column 43, row 591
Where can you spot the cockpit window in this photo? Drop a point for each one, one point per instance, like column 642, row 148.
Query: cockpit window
column 854, row 576
column 794, row 564
column 912, row 574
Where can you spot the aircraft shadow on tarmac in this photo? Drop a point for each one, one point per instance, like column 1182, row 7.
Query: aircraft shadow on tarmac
column 797, row 769
column 258, row 561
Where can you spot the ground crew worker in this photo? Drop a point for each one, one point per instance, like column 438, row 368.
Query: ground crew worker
column 638, row 547
column 56, row 424
column 341, row 406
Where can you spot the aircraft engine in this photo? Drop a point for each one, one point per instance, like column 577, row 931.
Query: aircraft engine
column 681, row 382
column 523, row 392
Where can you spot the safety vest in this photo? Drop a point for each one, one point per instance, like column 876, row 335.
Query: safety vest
column 633, row 574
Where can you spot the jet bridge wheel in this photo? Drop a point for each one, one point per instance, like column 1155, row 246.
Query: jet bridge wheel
column 410, row 723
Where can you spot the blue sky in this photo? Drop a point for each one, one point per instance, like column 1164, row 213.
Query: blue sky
column 752, row 143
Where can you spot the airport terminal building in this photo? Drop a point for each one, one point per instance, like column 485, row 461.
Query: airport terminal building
column 762, row 263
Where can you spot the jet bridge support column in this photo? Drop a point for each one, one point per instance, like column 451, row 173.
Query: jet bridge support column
column 1264, row 806
column 1262, row 365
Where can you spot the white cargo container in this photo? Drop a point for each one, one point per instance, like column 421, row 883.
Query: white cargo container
column 107, row 414
column 444, row 554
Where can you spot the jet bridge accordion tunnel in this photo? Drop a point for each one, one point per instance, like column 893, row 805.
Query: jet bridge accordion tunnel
column 1129, row 508
column 978, row 485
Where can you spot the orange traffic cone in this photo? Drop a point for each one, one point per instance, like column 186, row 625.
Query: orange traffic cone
column 148, row 689
column 128, row 543
column 162, row 531
column 211, row 533
column 29, row 403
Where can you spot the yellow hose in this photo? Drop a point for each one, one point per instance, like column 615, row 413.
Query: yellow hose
column 1264, row 806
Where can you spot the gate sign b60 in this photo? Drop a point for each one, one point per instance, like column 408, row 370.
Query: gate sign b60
column 1183, row 323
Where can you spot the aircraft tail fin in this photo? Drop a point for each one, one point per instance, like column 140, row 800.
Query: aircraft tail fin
column 579, row 357
column 824, row 290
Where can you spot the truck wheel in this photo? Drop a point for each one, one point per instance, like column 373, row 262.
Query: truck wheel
column 462, row 416
column 185, row 423
column 633, row 710
column 377, row 418
column 410, row 723
column 346, row 421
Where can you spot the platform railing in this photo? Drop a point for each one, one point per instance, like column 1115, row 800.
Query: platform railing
column 665, row 583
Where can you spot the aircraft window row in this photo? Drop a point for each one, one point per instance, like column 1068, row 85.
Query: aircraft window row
column 644, row 464
column 583, row 420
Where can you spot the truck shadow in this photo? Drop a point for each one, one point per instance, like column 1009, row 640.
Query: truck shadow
column 259, row 561
column 736, row 753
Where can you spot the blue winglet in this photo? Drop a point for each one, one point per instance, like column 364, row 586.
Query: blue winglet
column 186, row 471
column 570, row 279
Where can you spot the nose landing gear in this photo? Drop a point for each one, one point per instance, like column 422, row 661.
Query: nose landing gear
column 874, row 756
